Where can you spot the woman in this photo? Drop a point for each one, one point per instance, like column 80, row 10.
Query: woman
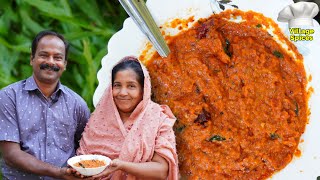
column 131, row 129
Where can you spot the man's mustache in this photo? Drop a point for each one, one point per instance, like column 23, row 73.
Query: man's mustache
column 47, row 66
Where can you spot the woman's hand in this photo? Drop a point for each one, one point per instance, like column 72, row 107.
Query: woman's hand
column 114, row 165
column 157, row 168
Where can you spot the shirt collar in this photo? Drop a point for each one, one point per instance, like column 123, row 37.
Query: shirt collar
column 32, row 85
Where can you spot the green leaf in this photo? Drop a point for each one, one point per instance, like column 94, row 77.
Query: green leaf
column 66, row 7
column 7, row 17
column 69, row 28
column 91, row 74
column 222, row 7
column 92, row 7
column 217, row 138
column 4, row 6
column 235, row 6
column 83, row 24
column 22, row 40
column 25, row 70
column 3, row 26
column 180, row 129
column 224, row 1
column 226, row 48
column 79, row 35
column 77, row 76
column 21, row 47
column 29, row 23
column 296, row 110
column 98, row 58
column 48, row 8
column 76, row 56
column 278, row 54
column 274, row 136
column 8, row 60
column 87, row 51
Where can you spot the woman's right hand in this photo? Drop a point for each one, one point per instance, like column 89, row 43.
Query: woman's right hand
column 114, row 165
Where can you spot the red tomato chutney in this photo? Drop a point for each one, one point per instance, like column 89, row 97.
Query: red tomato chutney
column 240, row 98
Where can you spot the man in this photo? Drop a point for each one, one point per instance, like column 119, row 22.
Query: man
column 41, row 120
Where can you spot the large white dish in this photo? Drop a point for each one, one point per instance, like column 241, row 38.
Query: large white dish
column 89, row 171
column 130, row 41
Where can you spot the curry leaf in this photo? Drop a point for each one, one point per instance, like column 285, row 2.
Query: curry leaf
column 226, row 48
column 274, row 136
column 217, row 138
column 225, row 1
column 81, row 165
column 278, row 54
column 181, row 128
column 221, row 6
column 296, row 110
column 235, row 6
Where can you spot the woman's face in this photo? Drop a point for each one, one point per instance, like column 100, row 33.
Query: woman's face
column 126, row 91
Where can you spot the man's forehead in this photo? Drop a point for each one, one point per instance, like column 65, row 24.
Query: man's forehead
column 49, row 43
column 47, row 51
column 50, row 39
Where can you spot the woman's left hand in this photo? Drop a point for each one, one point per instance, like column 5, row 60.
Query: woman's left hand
column 114, row 165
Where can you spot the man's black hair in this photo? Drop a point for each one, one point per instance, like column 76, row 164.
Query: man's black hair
column 44, row 33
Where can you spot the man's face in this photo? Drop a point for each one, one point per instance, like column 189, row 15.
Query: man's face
column 49, row 60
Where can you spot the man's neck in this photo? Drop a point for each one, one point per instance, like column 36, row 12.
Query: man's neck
column 46, row 88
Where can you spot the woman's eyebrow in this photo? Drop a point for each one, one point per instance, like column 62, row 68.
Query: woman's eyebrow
column 133, row 82
column 42, row 52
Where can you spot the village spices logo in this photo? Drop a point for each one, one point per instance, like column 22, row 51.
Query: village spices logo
column 298, row 34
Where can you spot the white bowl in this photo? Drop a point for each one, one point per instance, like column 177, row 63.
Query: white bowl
column 89, row 171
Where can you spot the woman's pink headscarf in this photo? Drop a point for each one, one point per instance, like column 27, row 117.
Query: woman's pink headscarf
column 148, row 130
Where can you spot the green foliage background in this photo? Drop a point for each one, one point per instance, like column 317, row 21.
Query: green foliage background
column 87, row 25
